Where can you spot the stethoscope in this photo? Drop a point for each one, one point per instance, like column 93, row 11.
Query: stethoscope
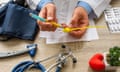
column 26, row 65
column 30, row 49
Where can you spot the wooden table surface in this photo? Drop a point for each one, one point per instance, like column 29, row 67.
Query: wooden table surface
column 82, row 50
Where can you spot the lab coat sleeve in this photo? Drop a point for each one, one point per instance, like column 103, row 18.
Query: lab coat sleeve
column 85, row 5
column 42, row 3
column 37, row 4
column 98, row 6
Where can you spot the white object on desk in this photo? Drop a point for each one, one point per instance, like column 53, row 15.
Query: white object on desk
column 58, row 36
column 65, row 9
column 112, row 17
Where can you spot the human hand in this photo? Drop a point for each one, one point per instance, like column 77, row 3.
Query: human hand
column 79, row 20
column 48, row 12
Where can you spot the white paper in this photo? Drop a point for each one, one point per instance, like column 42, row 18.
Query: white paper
column 60, row 37
column 65, row 9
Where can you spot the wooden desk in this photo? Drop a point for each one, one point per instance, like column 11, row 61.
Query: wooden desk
column 82, row 50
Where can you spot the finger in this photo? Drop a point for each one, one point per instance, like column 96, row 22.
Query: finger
column 74, row 20
column 56, row 20
column 40, row 24
column 77, row 34
column 43, row 12
column 83, row 23
column 48, row 27
column 44, row 26
column 51, row 13
column 64, row 25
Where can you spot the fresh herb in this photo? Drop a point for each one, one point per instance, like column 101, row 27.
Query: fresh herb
column 114, row 56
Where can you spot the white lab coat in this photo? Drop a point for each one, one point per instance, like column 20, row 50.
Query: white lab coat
column 33, row 3
column 98, row 6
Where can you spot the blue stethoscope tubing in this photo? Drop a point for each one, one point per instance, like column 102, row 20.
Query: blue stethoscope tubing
column 25, row 65
column 21, row 67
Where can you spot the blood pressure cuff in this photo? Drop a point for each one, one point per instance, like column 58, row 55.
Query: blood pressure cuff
column 3, row 10
column 2, row 16
column 18, row 23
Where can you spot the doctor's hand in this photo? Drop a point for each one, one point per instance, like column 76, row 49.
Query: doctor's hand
column 48, row 12
column 79, row 20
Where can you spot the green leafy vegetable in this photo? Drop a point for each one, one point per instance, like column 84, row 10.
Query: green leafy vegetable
column 114, row 56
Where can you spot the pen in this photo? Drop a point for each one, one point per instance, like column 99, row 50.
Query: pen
column 37, row 17
column 43, row 20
